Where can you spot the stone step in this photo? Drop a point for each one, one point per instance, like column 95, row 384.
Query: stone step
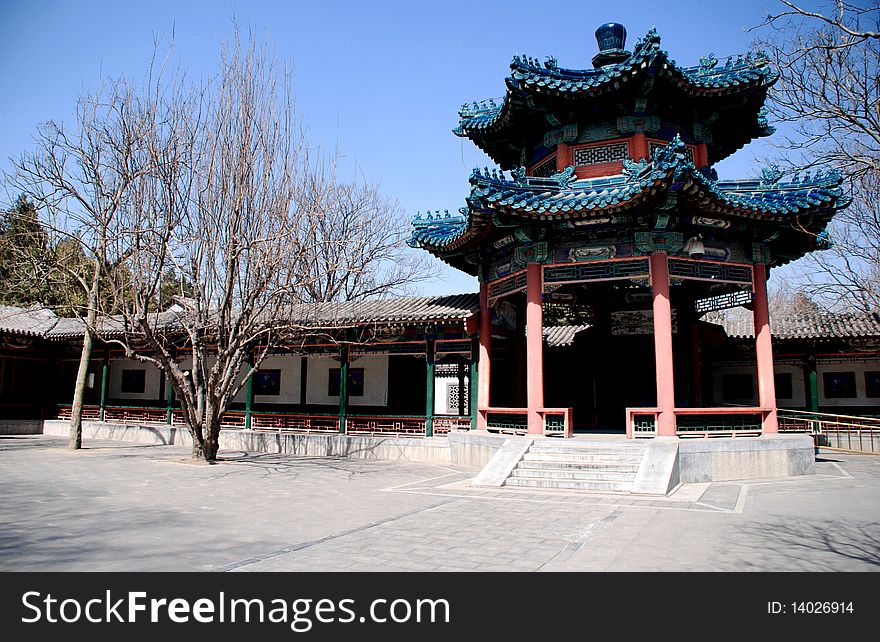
column 635, row 449
column 583, row 458
column 617, row 466
column 570, row 484
column 601, row 475
column 612, row 452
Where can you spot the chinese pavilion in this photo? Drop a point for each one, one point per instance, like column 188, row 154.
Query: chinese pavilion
column 612, row 217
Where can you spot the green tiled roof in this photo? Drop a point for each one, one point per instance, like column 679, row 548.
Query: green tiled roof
column 647, row 66
column 559, row 197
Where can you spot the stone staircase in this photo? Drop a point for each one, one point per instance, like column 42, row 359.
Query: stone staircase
column 588, row 465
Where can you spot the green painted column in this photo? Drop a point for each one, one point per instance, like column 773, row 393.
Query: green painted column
column 169, row 401
column 472, row 382
column 429, row 388
column 813, row 376
column 105, row 375
column 249, row 395
column 343, row 387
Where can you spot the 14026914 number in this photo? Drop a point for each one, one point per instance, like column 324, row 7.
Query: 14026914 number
column 810, row 608
column 822, row 607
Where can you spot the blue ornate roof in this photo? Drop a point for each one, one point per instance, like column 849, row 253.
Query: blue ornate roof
column 529, row 78
column 668, row 174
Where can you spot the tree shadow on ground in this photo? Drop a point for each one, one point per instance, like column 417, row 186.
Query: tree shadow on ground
column 291, row 465
column 816, row 546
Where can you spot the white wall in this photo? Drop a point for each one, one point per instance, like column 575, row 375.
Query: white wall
column 441, row 392
column 114, row 383
column 290, row 366
column 859, row 369
column 375, row 380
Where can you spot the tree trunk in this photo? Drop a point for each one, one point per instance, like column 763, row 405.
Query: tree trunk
column 74, row 441
column 212, row 442
column 205, row 449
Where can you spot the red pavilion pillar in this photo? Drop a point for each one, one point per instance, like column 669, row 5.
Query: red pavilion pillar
column 663, row 345
column 563, row 157
column 764, row 348
column 639, row 146
column 534, row 347
column 485, row 352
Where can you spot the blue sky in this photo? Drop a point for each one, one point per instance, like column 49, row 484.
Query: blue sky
column 384, row 79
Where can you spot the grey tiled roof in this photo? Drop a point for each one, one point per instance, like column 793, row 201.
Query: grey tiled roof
column 423, row 309
column 32, row 321
column 398, row 310
column 562, row 335
column 809, row 326
column 68, row 328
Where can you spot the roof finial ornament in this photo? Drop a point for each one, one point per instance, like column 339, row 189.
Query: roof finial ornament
column 612, row 39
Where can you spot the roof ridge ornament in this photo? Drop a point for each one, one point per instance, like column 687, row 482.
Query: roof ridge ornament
column 634, row 169
column 770, row 175
column 650, row 40
column 708, row 63
column 565, row 178
column 673, row 152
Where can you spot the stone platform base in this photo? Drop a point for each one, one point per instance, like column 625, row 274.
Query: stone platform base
column 712, row 460
column 668, row 461
column 469, row 451
column 662, row 465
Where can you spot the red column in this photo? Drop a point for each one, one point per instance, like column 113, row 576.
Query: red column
column 639, row 146
column 701, row 156
column 663, row 345
column 563, row 156
column 485, row 351
column 764, row 348
column 534, row 347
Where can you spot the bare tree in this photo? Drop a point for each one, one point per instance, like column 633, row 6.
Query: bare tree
column 235, row 206
column 218, row 209
column 847, row 275
column 357, row 248
column 79, row 178
column 828, row 92
column 828, row 102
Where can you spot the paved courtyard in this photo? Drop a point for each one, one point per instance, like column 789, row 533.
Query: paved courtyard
column 127, row 507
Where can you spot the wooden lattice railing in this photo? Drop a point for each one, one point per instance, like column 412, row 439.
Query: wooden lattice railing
column 557, row 422
column 844, row 432
column 444, row 424
column 390, row 425
column 733, row 421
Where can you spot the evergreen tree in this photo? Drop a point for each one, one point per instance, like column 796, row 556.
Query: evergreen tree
column 24, row 257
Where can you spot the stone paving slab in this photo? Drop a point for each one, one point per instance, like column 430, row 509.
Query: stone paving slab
column 129, row 507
